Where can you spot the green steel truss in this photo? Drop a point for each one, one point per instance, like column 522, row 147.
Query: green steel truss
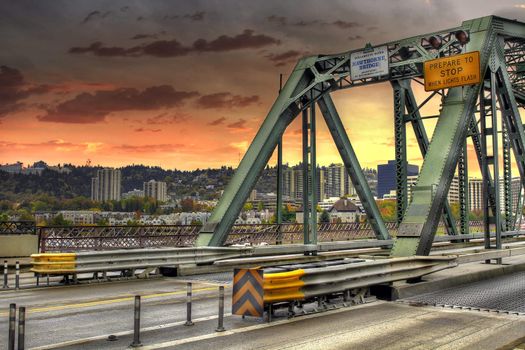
column 501, row 44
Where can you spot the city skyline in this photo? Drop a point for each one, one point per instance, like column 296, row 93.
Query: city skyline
column 159, row 84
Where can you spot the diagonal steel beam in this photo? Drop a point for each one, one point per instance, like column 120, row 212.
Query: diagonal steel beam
column 422, row 140
column 284, row 110
column 327, row 107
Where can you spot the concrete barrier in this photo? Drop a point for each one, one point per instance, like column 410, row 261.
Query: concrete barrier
column 20, row 245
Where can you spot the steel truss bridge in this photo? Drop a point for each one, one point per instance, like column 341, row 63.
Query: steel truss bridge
column 487, row 113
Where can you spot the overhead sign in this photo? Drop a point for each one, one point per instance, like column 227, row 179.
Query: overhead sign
column 369, row 63
column 451, row 71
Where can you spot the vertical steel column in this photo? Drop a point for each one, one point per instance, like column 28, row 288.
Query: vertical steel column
column 507, row 179
column 484, row 110
column 400, row 152
column 305, row 178
column 495, row 158
column 279, row 204
column 312, row 238
column 463, row 190
column 488, row 113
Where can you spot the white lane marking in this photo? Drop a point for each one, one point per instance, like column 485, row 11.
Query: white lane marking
column 120, row 334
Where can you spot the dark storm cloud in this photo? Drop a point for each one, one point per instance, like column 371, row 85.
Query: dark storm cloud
column 147, row 130
column 355, row 37
column 172, row 48
column 14, row 89
column 284, row 21
column 225, row 100
column 167, row 118
column 94, row 15
column 95, row 107
column 98, row 49
column 144, row 36
column 196, row 16
column 240, row 124
column 281, row 59
column 217, row 121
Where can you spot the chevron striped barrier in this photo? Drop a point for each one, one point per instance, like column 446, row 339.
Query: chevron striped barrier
column 247, row 296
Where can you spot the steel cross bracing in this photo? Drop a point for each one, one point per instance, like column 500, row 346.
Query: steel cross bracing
column 404, row 99
column 315, row 77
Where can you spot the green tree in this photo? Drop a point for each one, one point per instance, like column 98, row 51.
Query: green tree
column 325, row 217
column 59, row 221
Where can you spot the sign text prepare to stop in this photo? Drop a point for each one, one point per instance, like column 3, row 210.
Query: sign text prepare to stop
column 452, row 71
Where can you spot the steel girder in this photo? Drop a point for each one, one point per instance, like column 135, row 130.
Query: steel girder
column 507, row 180
column 489, row 130
column 315, row 76
column 463, row 190
column 422, row 140
column 400, row 144
column 416, row 232
column 351, row 163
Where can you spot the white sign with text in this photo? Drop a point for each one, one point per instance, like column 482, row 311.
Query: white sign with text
column 369, row 63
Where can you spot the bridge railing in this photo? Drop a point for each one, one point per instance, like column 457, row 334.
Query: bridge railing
column 17, row 227
column 79, row 238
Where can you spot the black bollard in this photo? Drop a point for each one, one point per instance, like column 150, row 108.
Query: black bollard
column 5, row 275
column 12, row 325
column 220, row 325
column 17, row 276
column 188, row 306
column 21, row 327
column 136, row 327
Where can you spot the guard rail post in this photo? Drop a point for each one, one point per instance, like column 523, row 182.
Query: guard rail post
column 136, row 326
column 12, row 325
column 188, row 305
column 5, row 275
column 17, row 276
column 220, row 325
column 21, row 327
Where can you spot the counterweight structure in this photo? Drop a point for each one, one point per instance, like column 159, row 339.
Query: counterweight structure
column 486, row 113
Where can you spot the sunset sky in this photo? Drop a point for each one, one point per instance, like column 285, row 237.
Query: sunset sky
column 186, row 84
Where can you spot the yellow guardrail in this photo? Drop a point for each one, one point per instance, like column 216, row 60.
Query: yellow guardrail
column 283, row 286
column 53, row 263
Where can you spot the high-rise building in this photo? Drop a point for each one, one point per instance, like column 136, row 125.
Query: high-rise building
column 386, row 176
column 515, row 187
column 475, row 194
column 337, row 183
column 106, row 185
column 293, row 183
column 156, row 189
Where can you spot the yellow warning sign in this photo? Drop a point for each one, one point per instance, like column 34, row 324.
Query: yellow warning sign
column 452, row 71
